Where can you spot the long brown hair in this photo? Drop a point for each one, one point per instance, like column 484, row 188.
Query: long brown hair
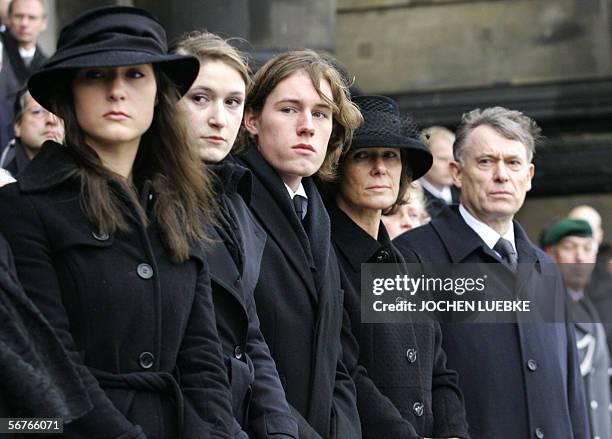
column 165, row 158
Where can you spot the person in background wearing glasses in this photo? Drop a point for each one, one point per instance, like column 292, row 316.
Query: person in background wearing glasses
column 33, row 126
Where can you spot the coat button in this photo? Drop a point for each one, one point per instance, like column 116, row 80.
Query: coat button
column 418, row 408
column 594, row 405
column 146, row 360
column 145, row 271
column 411, row 355
column 382, row 256
column 532, row 365
column 539, row 433
column 100, row 236
column 238, row 352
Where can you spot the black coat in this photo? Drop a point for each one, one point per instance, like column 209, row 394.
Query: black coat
column 435, row 205
column 15, row 73
column 403, row 385
column 139, row 329
column 258, row 398
column 299, row 301
column 19, row 161
column 37, row 378
column 519, row 380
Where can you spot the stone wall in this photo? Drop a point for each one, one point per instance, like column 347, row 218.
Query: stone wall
column 409, row 46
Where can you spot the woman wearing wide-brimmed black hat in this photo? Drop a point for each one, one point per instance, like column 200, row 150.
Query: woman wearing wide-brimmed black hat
column 103, row 232
column 403, row 386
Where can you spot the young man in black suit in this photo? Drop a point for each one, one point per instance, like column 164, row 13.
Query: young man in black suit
column 299, row 118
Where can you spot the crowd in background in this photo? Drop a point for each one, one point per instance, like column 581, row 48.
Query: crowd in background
column 182, row 242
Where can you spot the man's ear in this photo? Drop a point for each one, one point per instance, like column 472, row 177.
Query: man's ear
column 251, row 122
column 455, row 169
column 530, row 174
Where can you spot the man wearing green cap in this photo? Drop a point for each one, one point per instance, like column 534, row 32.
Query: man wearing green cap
column 571, row 244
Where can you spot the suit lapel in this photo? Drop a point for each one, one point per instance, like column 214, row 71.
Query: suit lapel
column 528, row 261
column 459, row 238
column 318, row 229
column 272, row 206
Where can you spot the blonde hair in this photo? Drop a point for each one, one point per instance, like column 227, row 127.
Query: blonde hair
column 429, row 133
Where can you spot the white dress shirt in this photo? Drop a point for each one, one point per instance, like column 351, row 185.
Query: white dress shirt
column 486, row 233
column 301, row 192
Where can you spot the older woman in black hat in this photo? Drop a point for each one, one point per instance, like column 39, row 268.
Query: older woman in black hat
column 403, row 385
column 103, row 232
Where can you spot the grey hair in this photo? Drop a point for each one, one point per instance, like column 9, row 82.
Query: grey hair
column 511, row 124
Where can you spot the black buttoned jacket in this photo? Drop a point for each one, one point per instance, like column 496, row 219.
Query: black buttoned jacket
column 258, row 399
column 299, row 302
column 404, row 388
column 139, row 328
column 519, row 380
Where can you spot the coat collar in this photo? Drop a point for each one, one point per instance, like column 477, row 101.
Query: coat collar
column 310, row 257
column 21, row 157
column 461, row 240
column 356, row 244
column 234, row 178
column 52, row 166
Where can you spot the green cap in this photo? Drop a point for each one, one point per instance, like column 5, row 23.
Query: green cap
column 567, row 227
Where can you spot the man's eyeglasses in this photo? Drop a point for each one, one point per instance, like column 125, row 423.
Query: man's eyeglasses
column 37, row 112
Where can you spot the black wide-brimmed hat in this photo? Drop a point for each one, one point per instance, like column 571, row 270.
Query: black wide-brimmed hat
column 383, row 127
column 111, row 36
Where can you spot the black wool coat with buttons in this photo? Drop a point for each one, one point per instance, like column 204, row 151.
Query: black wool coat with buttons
column 258, row 398
column 404, row 388
column 518, row 380
column 299, row 302
column 139, row 328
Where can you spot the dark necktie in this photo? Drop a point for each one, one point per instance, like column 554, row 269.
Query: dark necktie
column 298, row 206
column 507, row 253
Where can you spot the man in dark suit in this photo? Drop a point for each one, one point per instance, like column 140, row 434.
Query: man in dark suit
column 22, row 55
column 299, row 117
column 33, row 126
column 520, row 380
column 437, row 184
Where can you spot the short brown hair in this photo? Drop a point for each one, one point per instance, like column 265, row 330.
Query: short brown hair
column 346, row 115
